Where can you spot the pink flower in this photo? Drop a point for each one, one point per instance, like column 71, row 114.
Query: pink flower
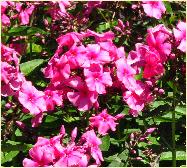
column 93, row 142
column 125, row 74
column 180, row 35
column 58, row 69
column 154, row 8
column 107, row 36
column 52, row 98
column 69, row 39
column 104, row 122
column 42, row 154
column 153, row 65
column 83, row 99
column 96, row 55
column 77, row 57
column 157, row 38
column 114, row 52
column 96, row 79
column 135, row 101
column 72, row 156
column 31, row 98
column 25, row 14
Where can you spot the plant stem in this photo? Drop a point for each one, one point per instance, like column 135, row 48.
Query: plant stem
column 173, row 133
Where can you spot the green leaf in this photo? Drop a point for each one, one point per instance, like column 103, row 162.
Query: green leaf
column 181, row 110
column 180, row 155
column 105, row 143
column 124, row 155
column 28, row 67
column 35, row 48
column 168, row 7
column 111, row 158
column 17, row 31
column 34, row 30
column 25, row 31
column 50, row 119
column 7, row 157
column 116, row 163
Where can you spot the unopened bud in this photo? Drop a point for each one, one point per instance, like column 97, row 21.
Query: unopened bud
column 21, row 125
column 62, row 130
column 74, row 134
column 161, row 91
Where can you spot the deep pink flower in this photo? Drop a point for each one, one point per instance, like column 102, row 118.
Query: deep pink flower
column 69, row 39
column 42, row 154
column 77, row 57
column 114, row 52
column 157, row 38
column 92, row 141
column 104, row 122
column 154, row 8
column 31, row 98
column 180, row 35
column 96, row 79
column 25, row 13
column 125, row 73
column 72, row 156
column 135, row 101
column 107, row 36
column 83, row 99
column 58, row 69
column 52, row 98
column 96, row 55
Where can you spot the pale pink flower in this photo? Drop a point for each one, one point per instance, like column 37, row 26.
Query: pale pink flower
column 104, row 122
column 31, row 98
column 180, row 35
column 96, row 79
column 154, row 8
column 82, row 98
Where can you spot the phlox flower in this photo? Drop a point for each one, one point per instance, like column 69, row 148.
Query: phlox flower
column 157, row 38
column 137, row 102
column 180, row 35
column 58, row 69
column 81, row 97
column 96, row 55
column 93, row 142
column 104, row 122
column 154, row 8
column 125, row 73
column 31, row 98
column 77, row 57
column 4, row 18
column 52, row 98
column 107, row 36
column 96, row 79
column 24, row 13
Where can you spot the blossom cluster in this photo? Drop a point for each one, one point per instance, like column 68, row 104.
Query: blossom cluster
column 86, row 66
column 51, row 152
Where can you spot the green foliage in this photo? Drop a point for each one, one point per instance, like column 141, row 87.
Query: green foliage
column 30, row 66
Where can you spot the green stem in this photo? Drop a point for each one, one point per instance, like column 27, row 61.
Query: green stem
column 173, row 133
column 30, row 50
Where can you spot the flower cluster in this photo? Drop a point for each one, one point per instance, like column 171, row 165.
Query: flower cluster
column 51, row 152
